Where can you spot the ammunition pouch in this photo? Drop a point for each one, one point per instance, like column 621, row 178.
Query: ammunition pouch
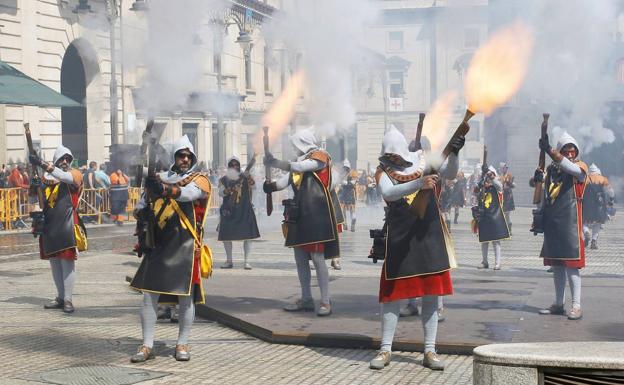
column 538, row 221
column 291, row 211
column 477, row 213
column 38, row 222
column 378, row 250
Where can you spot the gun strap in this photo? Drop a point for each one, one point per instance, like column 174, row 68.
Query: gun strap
column 185, row 221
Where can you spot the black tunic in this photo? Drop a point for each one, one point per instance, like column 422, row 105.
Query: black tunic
column 562, row 216
column 417, row 242
column 315, row 219
column 168, row 268
column 492, row 223
column 58, row 233
column 595, row 204
column 237, row 220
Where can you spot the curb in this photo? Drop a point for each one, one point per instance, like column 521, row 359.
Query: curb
column 325, row 340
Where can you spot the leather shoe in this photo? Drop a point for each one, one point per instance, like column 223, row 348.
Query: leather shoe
column 68, row 307
column 575, row 314
column 324, row 310
column 182, row 353
column 143, row 354
column 554, row 310
column 432, row 361
column 300, row 305
column 381, row 360
column 56, row 304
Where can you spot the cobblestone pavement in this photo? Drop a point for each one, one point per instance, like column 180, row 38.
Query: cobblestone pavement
column 105, row 329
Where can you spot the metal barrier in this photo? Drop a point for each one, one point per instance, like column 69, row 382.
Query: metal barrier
column 93, row 206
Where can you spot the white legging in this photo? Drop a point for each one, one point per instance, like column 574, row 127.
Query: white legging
column 228, row 250
column 149, row 310
column 560, row 273
column 64, row 275
column 497, row 252
column 429, row 318
column 302, row 258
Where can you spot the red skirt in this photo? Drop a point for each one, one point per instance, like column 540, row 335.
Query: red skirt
column 404, row 288
column 71, row 254
column 196, row 277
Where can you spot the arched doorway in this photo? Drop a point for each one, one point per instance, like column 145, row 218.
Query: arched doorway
column 78, row 71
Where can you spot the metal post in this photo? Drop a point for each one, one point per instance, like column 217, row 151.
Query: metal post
column 112, row 18
column 384, row 85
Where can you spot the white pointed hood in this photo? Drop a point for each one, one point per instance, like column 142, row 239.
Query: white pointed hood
column 172, row 176
column 346, row 163
column 234, row 157
column 182, row 144
column 566, row 138
column 492, row 170
column 60, row 152
column 394, row 144
column 304, row 140
column 593, row 169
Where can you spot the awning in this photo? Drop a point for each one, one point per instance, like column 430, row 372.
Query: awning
column 19, row 89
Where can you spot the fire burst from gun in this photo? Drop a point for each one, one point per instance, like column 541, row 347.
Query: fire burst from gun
column 436, row 125
column 281, row 111
column 498, row 68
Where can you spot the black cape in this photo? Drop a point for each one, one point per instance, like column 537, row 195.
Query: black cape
column 595, row 204
column 562, row 238
column 315, row 220
column 492, row 223
column 237, row 220
column 417, row 241
column 58, row 233
column 168, row 268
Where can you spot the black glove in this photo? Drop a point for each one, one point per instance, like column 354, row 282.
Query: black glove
column 538, row 177
column 457, row 143
column 269, row 187
column 414, row 146
column 35, row 182
column 35, row 160
column 268, row 159
column 544, row 145
column 154, row 185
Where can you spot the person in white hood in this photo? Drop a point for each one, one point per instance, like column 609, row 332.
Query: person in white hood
column 562, row 221
column 490, row 221
column 598, row 197
column 414, row 227
column 237, row 219
column 310, row 223
column 170, row 271
column 63, row 234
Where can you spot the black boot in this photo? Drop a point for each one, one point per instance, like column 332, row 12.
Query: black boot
column 352, row 225
column 456, row 216
column 594, row 244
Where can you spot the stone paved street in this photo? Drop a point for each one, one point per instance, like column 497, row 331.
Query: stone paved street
column 105, row 329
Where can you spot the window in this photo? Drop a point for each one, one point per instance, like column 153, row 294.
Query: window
column 190, row 130
column 248, row 71
column 395, row 41
column 471, row 38
column 267, row 59
column 395, row 80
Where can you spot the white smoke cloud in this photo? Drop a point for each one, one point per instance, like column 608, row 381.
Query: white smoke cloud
column 170, row 51
column 328, row 34
column 572, row 68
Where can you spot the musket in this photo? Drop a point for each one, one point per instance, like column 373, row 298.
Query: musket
column 35, row 172
column 484, row 170
column 537, row 193
column 461, row 130
column 419, row 128
column 143, row 151
column 267, row 170
column 146, row 219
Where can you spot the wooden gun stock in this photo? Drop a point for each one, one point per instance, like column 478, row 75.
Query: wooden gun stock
column 267, row 170
column 537, row 193
column 35, row 172
column 421, row 120
column 461, row 130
